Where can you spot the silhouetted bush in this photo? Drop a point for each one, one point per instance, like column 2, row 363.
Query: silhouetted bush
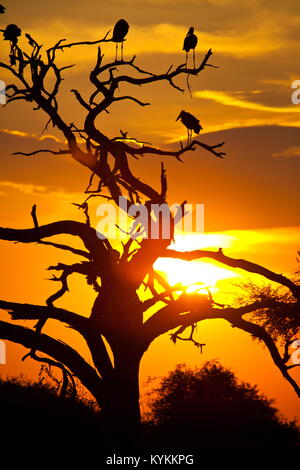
column 208, row 408
column 197, row 409
column 34, row 413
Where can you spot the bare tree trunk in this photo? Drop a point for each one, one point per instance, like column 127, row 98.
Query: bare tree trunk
column 122, row 410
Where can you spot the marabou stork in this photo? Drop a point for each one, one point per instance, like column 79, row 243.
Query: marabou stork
column 191, row 123
column 190, row 42
column 120, row 30
column 11, row 33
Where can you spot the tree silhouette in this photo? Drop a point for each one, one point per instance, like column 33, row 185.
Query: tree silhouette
column 117, row 320
column 208, row 408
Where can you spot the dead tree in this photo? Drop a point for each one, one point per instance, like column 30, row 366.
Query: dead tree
column 117, row 318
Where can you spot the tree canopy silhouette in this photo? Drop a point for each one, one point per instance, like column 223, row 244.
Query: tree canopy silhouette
column 117, row 321
column 208, row 408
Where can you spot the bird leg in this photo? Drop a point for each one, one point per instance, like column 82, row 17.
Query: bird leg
column 116, row 52
column 188, row 138
column 186, row 59
column 194, row 58
column 122, row 45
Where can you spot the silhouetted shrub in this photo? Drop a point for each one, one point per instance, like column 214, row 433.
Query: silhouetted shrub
column 197, row 409
column 209, row 408
column 35, row 413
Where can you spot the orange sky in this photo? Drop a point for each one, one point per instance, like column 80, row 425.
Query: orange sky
column 251, row 196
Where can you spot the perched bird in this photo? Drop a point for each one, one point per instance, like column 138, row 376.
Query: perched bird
column 120, row 30
column 2, row 9
column 11, row 33
column 191, row 123
column 190, row 42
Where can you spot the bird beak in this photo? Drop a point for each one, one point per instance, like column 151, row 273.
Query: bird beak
column 178, row 118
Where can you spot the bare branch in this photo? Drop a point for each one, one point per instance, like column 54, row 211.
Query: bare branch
column 86, row 268
column 34, row 216
column 61, row 352
column 53, row 152
column 260, row 333
column 169, row 76
column 80, row 99
column 169, row 317
column 61, row 47
column 131, row 98
column 81, row 324
column 19, row 311
column 98, row 248
column 192, row 308
column 175, row 336
column 66, row 375
column 177, row 154
column 235, row 263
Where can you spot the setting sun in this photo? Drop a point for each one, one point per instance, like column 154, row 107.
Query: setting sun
column 196, row 275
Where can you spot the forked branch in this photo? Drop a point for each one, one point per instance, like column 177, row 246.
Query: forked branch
column 61, row 353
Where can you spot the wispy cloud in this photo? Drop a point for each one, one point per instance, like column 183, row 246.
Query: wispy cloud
column 19, row 133
column 40, row 191
column 228, row 100
column 279, row 82
column 173, row 136
column 287, row 153
column 165, row 38
column 28, row 189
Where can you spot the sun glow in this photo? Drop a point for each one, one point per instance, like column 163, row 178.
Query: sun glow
column 195, row 276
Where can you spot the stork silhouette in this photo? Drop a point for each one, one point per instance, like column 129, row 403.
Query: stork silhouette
column 120, row 30
column 191, row 123
column 2, row 9
column 11, row 34
column 190, row 42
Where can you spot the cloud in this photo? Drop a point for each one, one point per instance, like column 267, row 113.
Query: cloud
column 229, row 100
column 30, row 136
column 237, row 240
column 164, row 38
column 40, row 191
column 173, row 136
column 289, row 152
column 279, row 82
column 28, row 189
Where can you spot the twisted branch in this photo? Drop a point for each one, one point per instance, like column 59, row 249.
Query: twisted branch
column 61, row 353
